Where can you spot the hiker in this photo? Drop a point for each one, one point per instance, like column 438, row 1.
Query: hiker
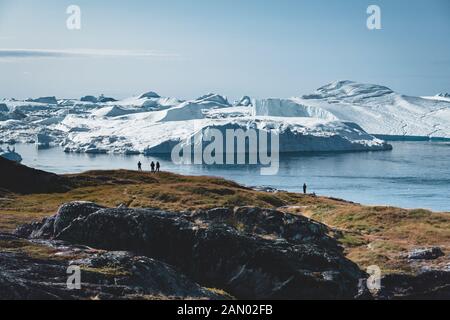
column 139, row 166
column 153, row 166
column 158, row 166
column 304, row 188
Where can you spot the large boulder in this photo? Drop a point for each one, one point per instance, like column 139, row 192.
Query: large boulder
column 251, row 253
column 425, row 253
column 104, row 275
column 429, row 284
column 50, row 227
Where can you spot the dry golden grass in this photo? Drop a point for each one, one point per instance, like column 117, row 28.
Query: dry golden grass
column 382, row 235
column 370, row 235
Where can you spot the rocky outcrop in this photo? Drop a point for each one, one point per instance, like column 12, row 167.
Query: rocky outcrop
column 425, row 253
column 251, row 253
column 104, row 275
column 17, row 178
column 48, row 228
column 430, row 285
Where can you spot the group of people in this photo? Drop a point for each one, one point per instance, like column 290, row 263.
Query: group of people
column 154, row 167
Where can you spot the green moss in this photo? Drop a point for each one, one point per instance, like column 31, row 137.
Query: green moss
column 32, row 250
column 352, row 240
column 107, row 271
column 271, row 200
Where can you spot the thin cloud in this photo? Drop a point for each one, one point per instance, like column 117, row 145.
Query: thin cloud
column 19, row 54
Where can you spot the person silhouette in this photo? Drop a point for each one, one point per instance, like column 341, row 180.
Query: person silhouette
column 158, row 166
column 139, row 166
column 153, row 166
column 305, row 188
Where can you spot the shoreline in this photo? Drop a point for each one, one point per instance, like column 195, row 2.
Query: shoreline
column 78, row 163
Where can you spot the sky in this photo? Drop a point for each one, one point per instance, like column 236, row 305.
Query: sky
column 184, row 49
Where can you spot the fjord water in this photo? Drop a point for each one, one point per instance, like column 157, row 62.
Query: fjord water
column 412, row 175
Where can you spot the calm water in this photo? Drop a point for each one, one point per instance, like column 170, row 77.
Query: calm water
column 413, row 175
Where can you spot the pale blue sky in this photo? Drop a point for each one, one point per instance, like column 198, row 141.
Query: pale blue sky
column 271, row 48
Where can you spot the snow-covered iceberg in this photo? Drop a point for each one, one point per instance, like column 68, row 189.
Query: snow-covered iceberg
column 10, row 154
column 379, row 110
column 341, row 116
column 156, row 132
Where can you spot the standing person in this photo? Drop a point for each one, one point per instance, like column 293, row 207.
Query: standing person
column 305, row 188
column 158, row 166
column 153, row 166
column 139, row 166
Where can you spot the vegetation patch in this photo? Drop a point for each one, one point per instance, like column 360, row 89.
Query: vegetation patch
column 370, row 234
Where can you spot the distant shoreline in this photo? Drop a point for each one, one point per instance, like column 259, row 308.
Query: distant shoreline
column 387, row 137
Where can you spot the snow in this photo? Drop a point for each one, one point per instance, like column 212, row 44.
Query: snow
column 149, row 94
column 341, row 116
column 43, row 140
column 379, row 110
column 349, row 91
column 89, row 99
column 439, row 97
column 290, row 108
column 296, row 134
column 4, row 107
column 245, row 101
column 46, row 100
column 113, row 111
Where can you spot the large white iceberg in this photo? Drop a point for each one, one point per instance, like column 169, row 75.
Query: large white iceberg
column 341, row 116
column 379, row 110
column 156, row 132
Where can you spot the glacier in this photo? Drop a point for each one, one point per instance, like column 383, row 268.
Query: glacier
column 381, row 111
column 341, row 116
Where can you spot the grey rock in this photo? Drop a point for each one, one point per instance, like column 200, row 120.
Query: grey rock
column 430, row 285
column 251, row 253
column 110, row 275
column 426, row 253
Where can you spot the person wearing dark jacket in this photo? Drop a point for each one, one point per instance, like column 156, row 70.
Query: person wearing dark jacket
column 305, row 188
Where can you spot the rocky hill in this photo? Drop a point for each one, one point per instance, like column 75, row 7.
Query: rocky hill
column 139, row 235
column 18, row 178
column 251, row 253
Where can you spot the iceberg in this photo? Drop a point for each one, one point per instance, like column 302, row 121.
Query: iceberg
column 91, row 99
column 10, row 154
column 45, row 100
column 149, row 95
column 158, row 132
column 244, row 102
column 4, row 107
column 341, row 116
column 381, row 111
